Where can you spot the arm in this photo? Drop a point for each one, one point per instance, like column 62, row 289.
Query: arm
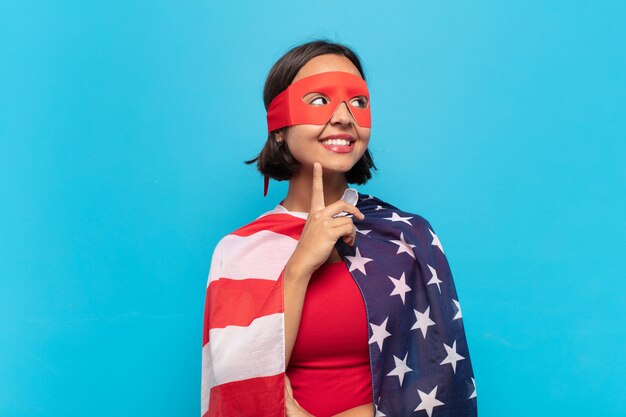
column 321, row 232
column 319, row 236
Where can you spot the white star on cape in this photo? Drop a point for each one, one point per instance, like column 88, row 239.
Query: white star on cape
column 458, row 314
column 363, row 232
column 436, row 241
column 473, row 393
column 378, row 412
column 396, row 218
column 423, row 321
column 379, row 334
column 379, row 207
column 435, row 279
column 428, row 401
column 452, row 357
column 403, row 246
column 400, row 368
column 400, row 287
column 358, row 262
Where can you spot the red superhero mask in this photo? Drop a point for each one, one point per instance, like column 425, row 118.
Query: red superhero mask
column 288, row 108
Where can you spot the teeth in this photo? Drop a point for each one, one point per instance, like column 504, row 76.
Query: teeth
column 340, row 142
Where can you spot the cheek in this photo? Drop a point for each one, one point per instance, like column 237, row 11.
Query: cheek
column 364, row 135
column 304, row 133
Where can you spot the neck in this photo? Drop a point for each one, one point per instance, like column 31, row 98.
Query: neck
column 300, row 186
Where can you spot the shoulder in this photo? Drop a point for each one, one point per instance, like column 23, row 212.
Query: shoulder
column 270, row 231
column 268, row 223
column 376, row 208
column 389, row 222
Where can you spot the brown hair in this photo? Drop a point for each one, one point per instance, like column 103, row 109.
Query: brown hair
column 275, row 160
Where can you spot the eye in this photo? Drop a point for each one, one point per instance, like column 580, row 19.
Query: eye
column 316, row 99
column 360, row 101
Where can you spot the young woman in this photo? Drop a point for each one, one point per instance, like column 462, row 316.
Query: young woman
column 334, row 303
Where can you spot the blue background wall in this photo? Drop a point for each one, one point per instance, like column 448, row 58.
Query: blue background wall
column 123, row 127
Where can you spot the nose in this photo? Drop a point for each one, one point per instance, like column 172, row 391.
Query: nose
column 342, row 115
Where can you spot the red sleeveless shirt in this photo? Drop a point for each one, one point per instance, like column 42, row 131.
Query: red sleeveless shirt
column 329, row 367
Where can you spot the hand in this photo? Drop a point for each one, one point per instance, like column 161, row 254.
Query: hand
column 292, row 407
column 322, row 230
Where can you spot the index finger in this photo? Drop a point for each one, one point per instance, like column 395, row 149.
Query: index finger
column 317, row 189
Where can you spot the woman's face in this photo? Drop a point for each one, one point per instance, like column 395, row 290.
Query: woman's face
column 309, row 143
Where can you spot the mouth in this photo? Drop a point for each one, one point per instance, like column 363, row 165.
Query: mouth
column 340, row 143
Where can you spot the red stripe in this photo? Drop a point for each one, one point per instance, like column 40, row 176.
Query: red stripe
column 237, row 302
column 255, row 397
column 285, row 224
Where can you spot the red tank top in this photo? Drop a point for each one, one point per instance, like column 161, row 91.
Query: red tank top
column 329, row 367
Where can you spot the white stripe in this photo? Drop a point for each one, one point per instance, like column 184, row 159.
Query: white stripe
column 235, row 353
column 216, row 263
column 205, row 388
column 261, row 255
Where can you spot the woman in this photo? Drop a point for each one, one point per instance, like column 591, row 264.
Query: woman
column 334, row 303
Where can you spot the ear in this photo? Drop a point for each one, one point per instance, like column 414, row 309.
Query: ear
column 279, row 135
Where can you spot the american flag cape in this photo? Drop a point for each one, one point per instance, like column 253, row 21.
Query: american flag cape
column 420, row 363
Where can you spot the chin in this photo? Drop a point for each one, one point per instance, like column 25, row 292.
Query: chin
column 336, row 167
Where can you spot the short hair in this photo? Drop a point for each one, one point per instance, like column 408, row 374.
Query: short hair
column 275, row 160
